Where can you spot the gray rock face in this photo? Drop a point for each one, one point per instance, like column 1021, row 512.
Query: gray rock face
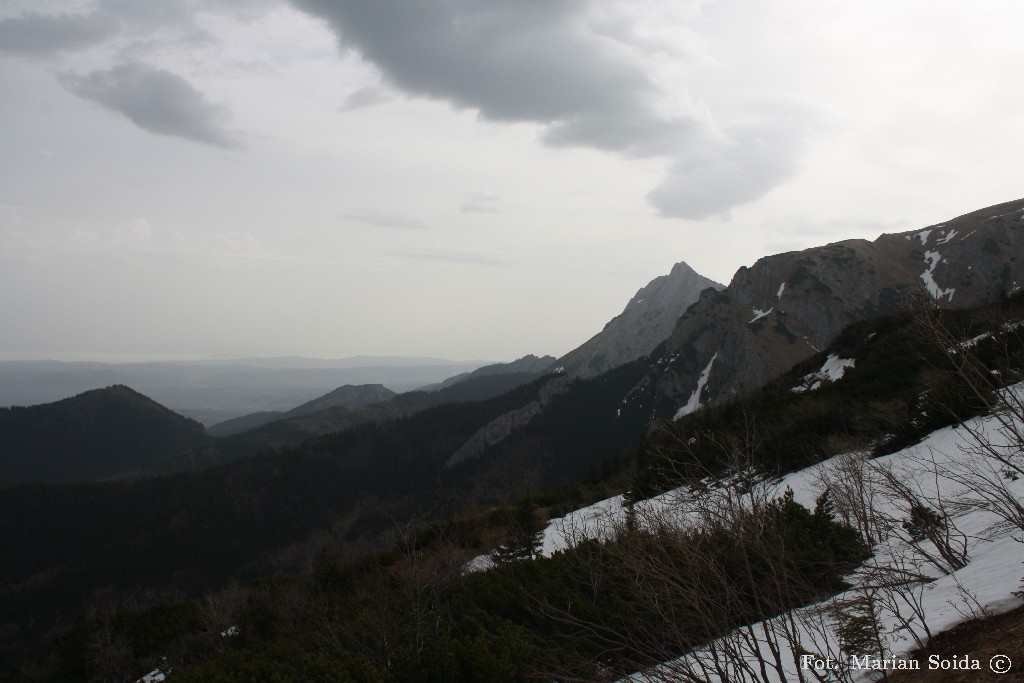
column 500, row 428
column 783, row 308
column 647, row 320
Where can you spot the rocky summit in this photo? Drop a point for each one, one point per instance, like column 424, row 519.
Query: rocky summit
column 645, row 322
column 785, row 307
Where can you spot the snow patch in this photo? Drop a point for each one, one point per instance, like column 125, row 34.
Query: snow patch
column 694, row 403
column 778, row 294
column 758, row 314
column 923, row 236
column 480, row 563
column 933, row 258
column 947, row 237
column 986, row 583
column 831, row 371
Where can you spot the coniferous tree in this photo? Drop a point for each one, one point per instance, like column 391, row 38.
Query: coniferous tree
column 525, row 534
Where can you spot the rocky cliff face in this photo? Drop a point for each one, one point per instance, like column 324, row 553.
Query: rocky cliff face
column 645, row 322
column 783, row 308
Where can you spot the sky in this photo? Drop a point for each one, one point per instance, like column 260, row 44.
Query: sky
column 464, row 179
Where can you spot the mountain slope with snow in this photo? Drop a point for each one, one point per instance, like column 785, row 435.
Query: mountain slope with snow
column 786, row 307
column 917, row 592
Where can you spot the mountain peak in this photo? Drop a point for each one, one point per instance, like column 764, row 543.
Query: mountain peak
column 785, row 307
column 645, row 322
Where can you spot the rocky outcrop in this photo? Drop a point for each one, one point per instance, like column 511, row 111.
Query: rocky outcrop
column 500, row 428
column 785, row 307
column 645, row 322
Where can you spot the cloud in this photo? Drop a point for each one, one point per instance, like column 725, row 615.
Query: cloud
column 382, row 219
column 45, row 34
column 155, row 100
column 738, row 170
column 480, row 201
column 365, row 97
column 510, row 59
column 23, row 239
column 449, row 256
column 580, row 69
column 151, row 15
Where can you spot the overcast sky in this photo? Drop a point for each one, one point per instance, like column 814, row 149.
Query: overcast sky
column 468, row 179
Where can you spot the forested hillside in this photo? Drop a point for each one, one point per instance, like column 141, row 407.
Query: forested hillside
column 102, row 433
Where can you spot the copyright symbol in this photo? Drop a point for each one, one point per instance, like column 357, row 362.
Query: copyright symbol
column 1000, row 664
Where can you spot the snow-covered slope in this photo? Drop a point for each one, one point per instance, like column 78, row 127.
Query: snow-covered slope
column 953, row 471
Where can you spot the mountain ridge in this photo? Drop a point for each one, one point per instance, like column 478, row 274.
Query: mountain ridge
column 784, row 307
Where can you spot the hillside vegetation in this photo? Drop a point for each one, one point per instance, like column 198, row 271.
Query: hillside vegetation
column 98, row 434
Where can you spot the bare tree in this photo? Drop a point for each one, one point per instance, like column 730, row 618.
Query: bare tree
column 927, row 524
column 855, row 491
column 989, row 365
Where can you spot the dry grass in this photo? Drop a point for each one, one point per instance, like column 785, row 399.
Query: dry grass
column 981, row 639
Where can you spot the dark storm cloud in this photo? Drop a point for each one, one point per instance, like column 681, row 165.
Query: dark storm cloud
column 44, row 34
column 512, row 60
column 155, row 100
column 549, row 62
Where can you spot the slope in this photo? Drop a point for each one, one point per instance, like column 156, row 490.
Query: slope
column 347, row 396
column 290, row 430
column 112, row 432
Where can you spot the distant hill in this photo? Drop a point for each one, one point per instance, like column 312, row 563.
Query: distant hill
column 527, row 365
column 111, row 432
column 290, row 428
column 215, row 391
column 348, row 396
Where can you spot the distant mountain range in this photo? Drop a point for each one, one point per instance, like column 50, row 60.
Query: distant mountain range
column 218, row 390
